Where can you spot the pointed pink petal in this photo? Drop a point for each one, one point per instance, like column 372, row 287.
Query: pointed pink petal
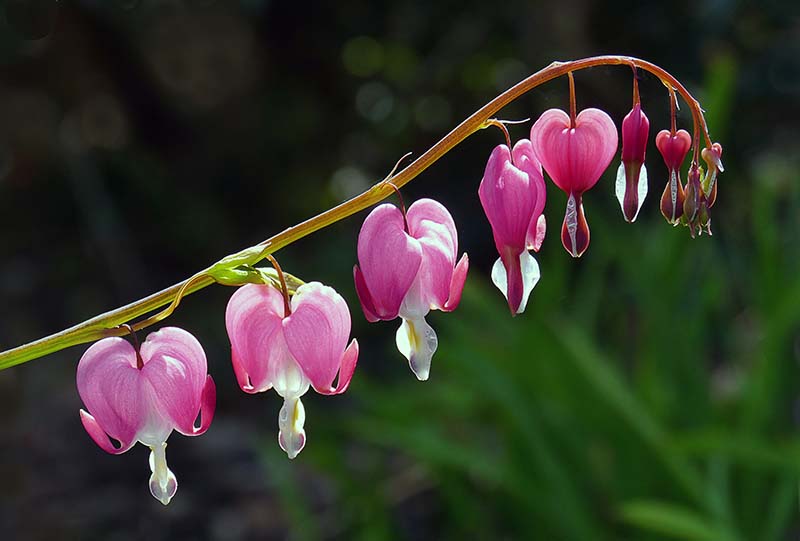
column 364, row 296
column 574, row 157
column 507, row 200
column 457, row 284
column 110, row 387
column 431, row 224
column 388, row 258
column 175, row 366
column 253, row 320
column 101, row 438
column 317, row 332
column 347, row 367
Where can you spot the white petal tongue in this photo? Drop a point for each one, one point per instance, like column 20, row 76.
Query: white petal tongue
column 417, row 341
column 530, row 277
column 641, row 189
column 291, row 435
column 163, row 483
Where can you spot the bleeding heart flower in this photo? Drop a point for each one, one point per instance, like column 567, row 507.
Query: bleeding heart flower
column 407, row 268
column 631, row 187
column 289, row 352
column 144, row 395
column 512, row 193
column 574, row 156
column 673, row 148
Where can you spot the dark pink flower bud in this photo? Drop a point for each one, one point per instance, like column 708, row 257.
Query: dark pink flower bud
column 673, row 148
column 574, row 157
column 631, row 186
column 512, row 193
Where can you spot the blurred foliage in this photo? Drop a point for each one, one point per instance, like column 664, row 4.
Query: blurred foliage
column 650, row 391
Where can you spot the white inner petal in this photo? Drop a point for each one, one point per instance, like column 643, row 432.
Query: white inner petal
column 530, row 277
column 571, row 219
column 619, row 187
column 417, row 341
column 414, row 306
column 499, row 277
column 642, row 189
column 163, row 483
column 291, row 419
column 288, row 380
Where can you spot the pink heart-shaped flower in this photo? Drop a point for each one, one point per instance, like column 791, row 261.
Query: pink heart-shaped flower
column 574, row 157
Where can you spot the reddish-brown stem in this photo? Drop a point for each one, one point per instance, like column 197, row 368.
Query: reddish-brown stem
column 572, row 106
column 136, row 345
column 673, row 104
column 287, row 309
column 107, row 324
column 402, row 204
column 635, row 87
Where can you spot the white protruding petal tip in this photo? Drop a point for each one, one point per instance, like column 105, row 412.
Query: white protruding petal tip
column 499, row 277
column 417, row 341
column 641, row 189
column 619, row 187
column 530, row 277
column 163, row 483
column 291, row 435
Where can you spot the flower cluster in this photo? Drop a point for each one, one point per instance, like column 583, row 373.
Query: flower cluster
column 290, row 336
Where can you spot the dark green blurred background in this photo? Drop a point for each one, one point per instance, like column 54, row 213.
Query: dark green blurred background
column 650, row 391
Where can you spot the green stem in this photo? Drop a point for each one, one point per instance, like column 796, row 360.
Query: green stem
column 108, row 323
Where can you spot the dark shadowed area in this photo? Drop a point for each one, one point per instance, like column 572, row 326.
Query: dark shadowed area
column 649, row 391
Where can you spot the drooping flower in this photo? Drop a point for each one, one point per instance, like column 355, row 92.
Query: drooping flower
column 512, row 193
column 144, row 395
column 673, row 147
column 631, row 187
column 290, row 352
column 407, row 267
column 574, row 155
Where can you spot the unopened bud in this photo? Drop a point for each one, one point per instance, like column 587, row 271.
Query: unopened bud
column 631, row 187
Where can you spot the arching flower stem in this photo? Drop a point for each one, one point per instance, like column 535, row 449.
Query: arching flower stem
column 108, row 323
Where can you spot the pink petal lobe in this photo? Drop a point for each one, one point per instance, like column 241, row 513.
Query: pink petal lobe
column 525, row 159
column 507, row 199
column 347, row 367
column 574, row 157
column 389, row 259
column 432, row 225
column 101, row 438
column 253, row 320
column 364, row 296
column 317, row 332
column 110, row 387
column 175, row 366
